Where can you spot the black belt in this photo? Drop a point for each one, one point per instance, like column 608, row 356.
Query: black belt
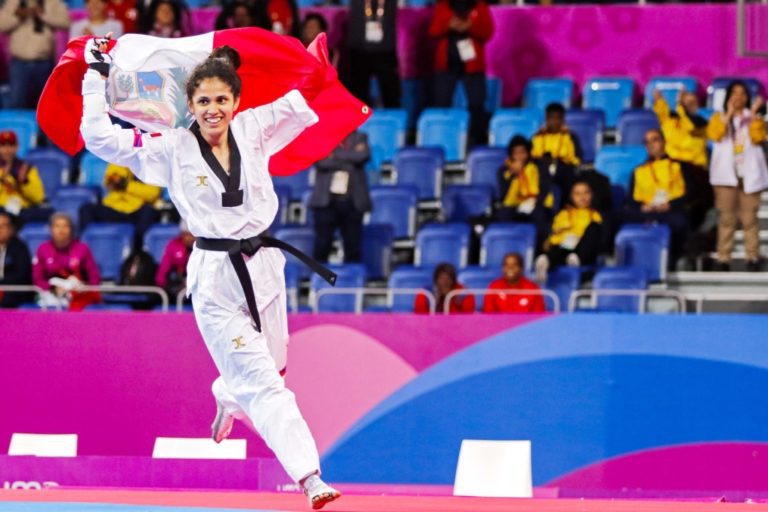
column 249, row 246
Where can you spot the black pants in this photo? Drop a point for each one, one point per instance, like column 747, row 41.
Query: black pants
column 383, row 66
column 587, row 249
column 678, row 227
column 343, row 215
column 141, row 219
column 474, row 86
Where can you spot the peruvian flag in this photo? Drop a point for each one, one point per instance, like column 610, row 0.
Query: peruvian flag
column 146, row 87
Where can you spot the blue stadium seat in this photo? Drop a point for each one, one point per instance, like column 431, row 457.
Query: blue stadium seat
column 422, row 168
column 633, row 124
column 483, row 166
column 157, row 237
column 477, row 278
column 461, row 202
column 442, row 243
column 292, row 278
column 350, row 275
column 386, row 134
column 501, row 238
column 308, row 214
column 53, row 167
column 445, row 128
column 706, row 113
column 612, row 95
column 297, row 183
column 716, row 90
column 24, row 123
column 303, row 238
column 540, row 92
column 493, row 89
column 619, row 278
column 395, row 206
column 408, row 277
column 34, row 234
column 670, row 88
column 283, row 193
column 618, row 162
column 69, row 200
column 563, row 281
column 587, row 126
column 110, row 244
column 92, row 170
column 645, row 246
column 508, row 122
column 377, row 249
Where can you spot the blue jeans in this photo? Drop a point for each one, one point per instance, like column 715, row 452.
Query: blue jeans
column 27, row 79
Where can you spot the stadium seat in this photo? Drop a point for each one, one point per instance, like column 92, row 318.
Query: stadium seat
column 24, row 123
column 92, row 170
column 157, row 237
column 395, row 206
column 670, row 88
column 53, row 167
column 407, row 277
column 478, row 278
column 110, row 244
column 508, row 122
column 413, row 91
column 292, row 278
column 445, row 128
column 612, row 95
column 619, row 278
column 303, row 238
column 422, row 168
column 633, row 124
column 483, row 166
column 283, row 193
column 377, row 249
column 540, row 92
column 501, row 238
column 69, row 199
column 563, row 281
column 493, row 89
column 350, row 275
column 307, row 213
column 462, row 202
column 587, row 126
column 297, row 183
column 706, row 113
column 34, row 234
column 618, row 196
column 618, row 162
column 442, row 243
column 386, row 134
column 645, row 246
column 716, row 90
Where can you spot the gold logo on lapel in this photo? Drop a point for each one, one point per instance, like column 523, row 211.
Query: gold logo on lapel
column 239, row 343
column 202, row 181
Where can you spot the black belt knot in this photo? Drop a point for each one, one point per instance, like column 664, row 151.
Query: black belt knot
column 249, row 246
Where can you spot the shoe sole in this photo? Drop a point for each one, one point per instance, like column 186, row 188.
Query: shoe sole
column 323, row 499
column 217, row 434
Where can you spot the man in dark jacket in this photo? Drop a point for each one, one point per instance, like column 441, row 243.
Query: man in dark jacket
column 341, row 198
column 15, row 263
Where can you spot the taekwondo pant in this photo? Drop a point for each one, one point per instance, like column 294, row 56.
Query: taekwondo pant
column 249, row 363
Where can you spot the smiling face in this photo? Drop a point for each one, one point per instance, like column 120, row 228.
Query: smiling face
column 581, row 195
column 213, row 106
column 164, row 15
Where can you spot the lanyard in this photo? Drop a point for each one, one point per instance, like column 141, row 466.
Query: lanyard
column 379, row 9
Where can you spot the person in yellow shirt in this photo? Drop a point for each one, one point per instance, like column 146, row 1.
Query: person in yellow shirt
column 128, row 200
column 576, row 234
column 555, row 148
column 21, row 189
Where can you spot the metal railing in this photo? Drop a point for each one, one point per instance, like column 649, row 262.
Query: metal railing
column 700, row 298
column 642, row 295
column 361, row 293
column 485, row 291
column 102, row 288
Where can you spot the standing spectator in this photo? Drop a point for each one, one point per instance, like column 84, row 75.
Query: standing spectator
column 124, row 11
column 97, row 23
column 462, row 27
column 30, row 25
column 372, row 42
column 279, row 16
column 444, row 281
column 62, row 265
column 512, row 279
column 340, row 197
column 172, row 272
column 15, row 263
column 315, row 24
column 237, row 14
column 164, row 18
column 556, row 148
column 21, row 189
column 738, row 172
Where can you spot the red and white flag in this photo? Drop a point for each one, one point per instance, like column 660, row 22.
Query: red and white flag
column 146, row 87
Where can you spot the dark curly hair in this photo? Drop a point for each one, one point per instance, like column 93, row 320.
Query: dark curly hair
column 222, row 63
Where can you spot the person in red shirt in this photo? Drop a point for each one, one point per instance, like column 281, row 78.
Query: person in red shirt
column 444, row 280
column 172, row 272
column 513, row 279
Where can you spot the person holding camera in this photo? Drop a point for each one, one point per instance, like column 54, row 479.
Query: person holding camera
column 30, row 25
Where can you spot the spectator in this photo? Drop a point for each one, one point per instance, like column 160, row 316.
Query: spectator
column 738, row 172
column 444, row 281
column 124, row 11
column 97, row 23
column 315, row 24
column 164, row 18
column 62, row 265
column 462, row 27
column 658, row 193
column 237, row 14
column 128, row 200
column 279, row 16
column 340, row 197
column 576, row 234
column 172, row 272
column 556, row 148
column 30, row 25
column 21, row 189
column 15, row 263
column 372, row 42
column 513, row 280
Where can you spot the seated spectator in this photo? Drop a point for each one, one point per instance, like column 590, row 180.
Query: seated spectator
column 172, row 272
column 21, row 189
column 657, row 193
column 513, row 280
column 97, row 23
column 62, row 265
column 164, row 18
column 129, row 200
column 444, row 281
column 124, row 11
column 279, row 16
column 555, row 148
column 15, row 263
column 576, row 237
column 237, row 14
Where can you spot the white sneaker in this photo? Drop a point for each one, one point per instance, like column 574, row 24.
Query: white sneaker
column 222, row 424
column 541, row 266
column 572, row 260
column 318, row 492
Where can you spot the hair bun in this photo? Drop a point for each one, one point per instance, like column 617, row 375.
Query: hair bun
column 227, row 54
